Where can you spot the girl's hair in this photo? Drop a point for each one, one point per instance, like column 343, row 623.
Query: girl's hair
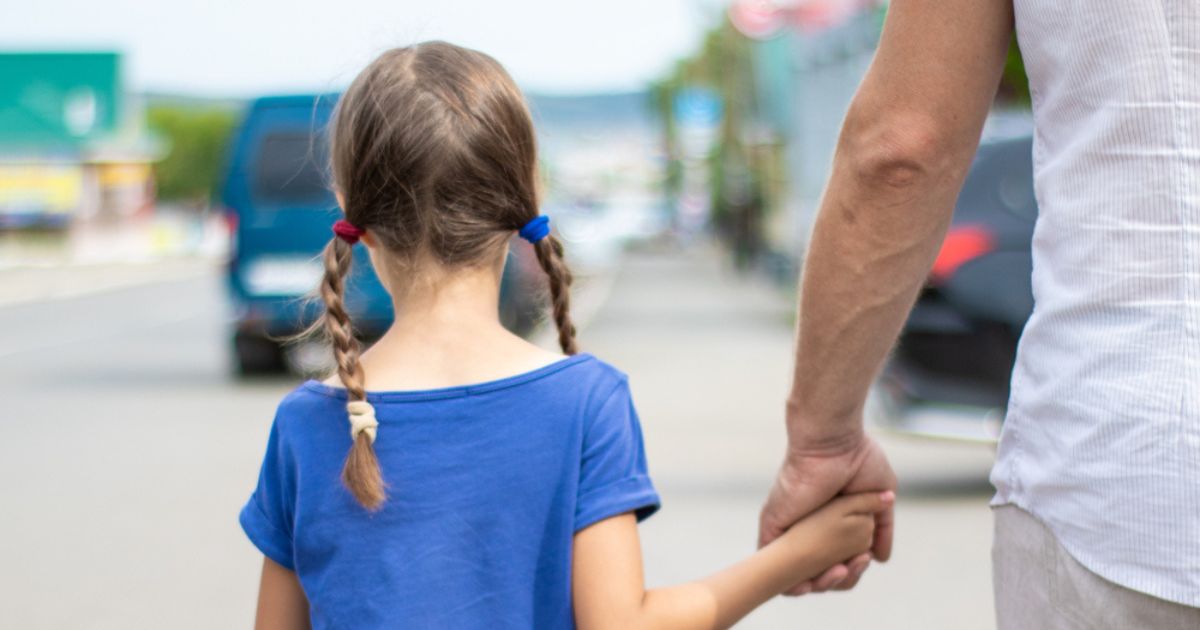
column 433, row 153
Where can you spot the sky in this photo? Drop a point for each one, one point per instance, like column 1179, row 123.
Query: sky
column 235, row 49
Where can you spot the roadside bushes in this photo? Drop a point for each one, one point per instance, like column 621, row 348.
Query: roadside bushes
column 197, row 136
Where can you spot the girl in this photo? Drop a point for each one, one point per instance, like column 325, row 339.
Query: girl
column 489, row 483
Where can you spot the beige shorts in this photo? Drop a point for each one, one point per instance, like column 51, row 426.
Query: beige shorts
column 1039, row 586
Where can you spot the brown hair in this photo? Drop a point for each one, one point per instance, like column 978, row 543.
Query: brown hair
column 434, row 154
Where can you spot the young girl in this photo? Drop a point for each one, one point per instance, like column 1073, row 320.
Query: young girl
column 489, row 483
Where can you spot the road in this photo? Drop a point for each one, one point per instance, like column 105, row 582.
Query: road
column 127, row 449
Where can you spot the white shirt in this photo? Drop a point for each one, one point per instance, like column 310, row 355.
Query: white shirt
column 1102, row 438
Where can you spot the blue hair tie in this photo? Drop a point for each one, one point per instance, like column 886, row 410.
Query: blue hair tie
column 537, row 229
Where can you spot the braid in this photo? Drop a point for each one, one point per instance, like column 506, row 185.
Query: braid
column 550, row 256
column 361, row 472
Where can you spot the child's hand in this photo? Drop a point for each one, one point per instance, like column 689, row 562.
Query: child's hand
column 840, row 530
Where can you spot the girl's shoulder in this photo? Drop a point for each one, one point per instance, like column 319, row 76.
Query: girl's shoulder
column 304, row 406
column 579, row 378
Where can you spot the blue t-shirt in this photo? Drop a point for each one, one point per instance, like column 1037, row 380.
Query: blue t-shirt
column 487, row 485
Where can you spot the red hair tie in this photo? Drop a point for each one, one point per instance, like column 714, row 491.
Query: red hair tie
column 347, row 231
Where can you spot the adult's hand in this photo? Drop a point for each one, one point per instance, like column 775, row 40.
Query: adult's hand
column 810, row 478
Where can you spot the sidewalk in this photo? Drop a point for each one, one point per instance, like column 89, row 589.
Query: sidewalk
column 97, row 256
column 34, row 284
column 709, row 358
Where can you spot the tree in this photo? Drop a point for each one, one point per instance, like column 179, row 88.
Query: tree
column 197, row 137
column 1014, row 84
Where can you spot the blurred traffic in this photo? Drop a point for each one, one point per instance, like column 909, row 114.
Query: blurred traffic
column 164, row 241
column 949, row 374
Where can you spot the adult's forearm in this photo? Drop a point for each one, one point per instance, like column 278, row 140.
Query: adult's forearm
column 905, row 148
column 871, row 248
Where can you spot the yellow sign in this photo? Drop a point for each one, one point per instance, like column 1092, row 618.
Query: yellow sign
column 40, row 189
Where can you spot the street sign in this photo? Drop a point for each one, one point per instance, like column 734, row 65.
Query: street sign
column 46, row 194
column 52, row 99
column 697, row 107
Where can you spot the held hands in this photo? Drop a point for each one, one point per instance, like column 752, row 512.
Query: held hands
column 842, row 530
column 809, row 480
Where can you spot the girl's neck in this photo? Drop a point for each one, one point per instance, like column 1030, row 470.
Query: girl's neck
column 447, row 332
column 458, row 303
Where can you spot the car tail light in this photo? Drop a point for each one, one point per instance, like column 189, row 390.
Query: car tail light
column 962, row 244
column 231, row 227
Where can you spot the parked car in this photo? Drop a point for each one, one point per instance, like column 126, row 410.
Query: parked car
column 949, row 374
column 278, row 198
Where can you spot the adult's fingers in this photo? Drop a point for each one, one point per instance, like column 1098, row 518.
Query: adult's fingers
column 832, row 575
column 857, row 566
column 885, row 526
column 831, row 578
column 868, row 502
column 803, row 589
column 768, row 527
column 822, row 582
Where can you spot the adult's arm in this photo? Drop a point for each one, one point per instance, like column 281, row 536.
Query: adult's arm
column 905, row 147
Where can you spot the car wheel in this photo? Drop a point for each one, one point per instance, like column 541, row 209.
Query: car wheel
column 256, row 354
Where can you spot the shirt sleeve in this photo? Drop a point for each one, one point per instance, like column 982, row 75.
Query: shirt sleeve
column 267, row 516
column 613, row 474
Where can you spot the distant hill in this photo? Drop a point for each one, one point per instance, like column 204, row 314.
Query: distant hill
column 620, row 109
column 183, row 101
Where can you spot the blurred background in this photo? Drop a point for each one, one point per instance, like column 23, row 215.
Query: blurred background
column 163, row 193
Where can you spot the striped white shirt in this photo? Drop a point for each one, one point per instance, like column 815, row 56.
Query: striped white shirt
column 1102, row 438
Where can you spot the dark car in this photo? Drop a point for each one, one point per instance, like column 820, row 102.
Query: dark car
column 949, row 373
column 280, row 205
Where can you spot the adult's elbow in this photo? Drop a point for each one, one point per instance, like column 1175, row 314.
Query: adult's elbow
column 902, row 154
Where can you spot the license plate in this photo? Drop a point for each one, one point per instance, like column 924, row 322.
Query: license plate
column 281, row 276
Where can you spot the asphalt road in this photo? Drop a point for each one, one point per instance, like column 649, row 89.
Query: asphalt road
column 127, row 449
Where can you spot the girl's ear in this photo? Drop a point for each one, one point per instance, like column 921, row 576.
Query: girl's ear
column 368, row 239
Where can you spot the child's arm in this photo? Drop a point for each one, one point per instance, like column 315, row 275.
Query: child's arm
column 609, row 591
column 281, row 601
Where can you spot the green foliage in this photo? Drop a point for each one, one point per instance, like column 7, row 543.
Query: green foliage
column 1014, row 84
column 724, row 64
column 196, row 137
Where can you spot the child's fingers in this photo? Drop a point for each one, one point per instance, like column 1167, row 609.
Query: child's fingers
column 868, row 502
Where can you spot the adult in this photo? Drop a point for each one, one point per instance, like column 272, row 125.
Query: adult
column 1097, row 511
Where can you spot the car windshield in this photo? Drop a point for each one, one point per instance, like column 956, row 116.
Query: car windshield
column 290, row 170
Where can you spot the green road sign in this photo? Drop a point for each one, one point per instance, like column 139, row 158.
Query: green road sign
column 53, row 99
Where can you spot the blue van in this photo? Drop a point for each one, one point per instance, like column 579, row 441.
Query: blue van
column 278, row 196
column 281, row 208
